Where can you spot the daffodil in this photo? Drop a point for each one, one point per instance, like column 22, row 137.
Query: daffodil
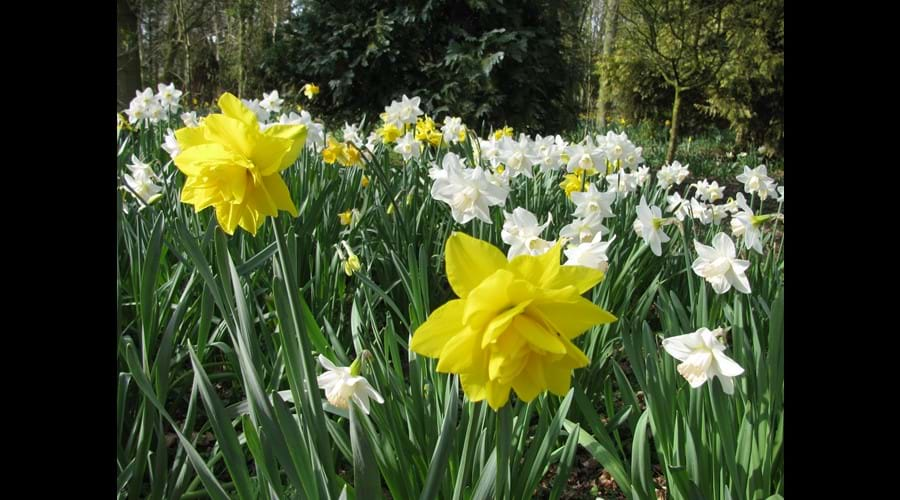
column 343, row 384
column 702, row 357
column 310, row 90
column 351, row 262
column 389, row 133
column 513, row 324
column 426, row 131
column 503, row 132
column 349, row 218
column 573, row 182
column 233, row 166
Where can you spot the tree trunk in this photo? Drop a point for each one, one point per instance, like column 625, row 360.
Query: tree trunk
column 128, row 63
column 673, row 132
column 609, row 36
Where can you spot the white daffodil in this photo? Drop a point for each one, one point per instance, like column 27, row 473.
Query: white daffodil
column 408, row 146
column 701, row 212
column 271, row 102
column 168, row 96
column 589, row 253
column 585, row 156
column 745, row 224
column 650, row 229
column 669, row 175
column 342, row 383
column 315, row 132
column 190, row 119
column 584, row 229
column 469, row 191
column 754, row 179
column 780, row 194
column 680, row 207
column 517, row 156
column 453, row 130
column 522, row 232
column 702, row 357
column 621, row 182
column 140, row 181
column 171, row 145
column 717, row 265
column 548, row 152
column 403, row 112
column 593, row 201
column 262, row 114
column 351, row 134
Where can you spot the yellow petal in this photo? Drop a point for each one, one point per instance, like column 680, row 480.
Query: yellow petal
column 470, row 261
column 530, row 382
column 571, row 319
column 228, row 215
column 538, row 270
column 232, row 133
column 194, row 161
column 445, row 322
column 459, row 352
column 582, row 278
column 189, row 137
column 474, row 386
column 497, row 394
column 501, row 322
column 537, row 335
column 269, row 153
column 296, row 134
column 488, row 299
column 234, row 108
column 280, row 195
column 558, row 375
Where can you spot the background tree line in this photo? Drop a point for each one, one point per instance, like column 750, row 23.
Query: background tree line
column 540, row 65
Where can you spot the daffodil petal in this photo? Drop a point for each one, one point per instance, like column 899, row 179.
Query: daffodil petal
column 572, row 318
column 444, row 323
column 296, row 134
column 280, row 195
column 537, row 335
column 230, row 132
column 233, row 107
column 538, row 270
column 457, row 354
column 470, row 261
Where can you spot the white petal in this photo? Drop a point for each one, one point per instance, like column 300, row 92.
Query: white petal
column 726, row 366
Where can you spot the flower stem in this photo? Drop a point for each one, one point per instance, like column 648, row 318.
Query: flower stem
column 504, row 443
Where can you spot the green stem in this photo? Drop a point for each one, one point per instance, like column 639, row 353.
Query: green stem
column 504, row 440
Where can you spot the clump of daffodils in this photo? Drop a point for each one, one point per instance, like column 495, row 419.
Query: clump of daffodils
column 235, row 167
column 140, row 181
column 513, row 324
column 343, row 384
column 147, row 107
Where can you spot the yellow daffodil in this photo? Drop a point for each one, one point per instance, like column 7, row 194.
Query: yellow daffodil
column 426, row 132
column 310, row 90
column 345, row 154
column 505, row 131
column 389, row 133
column 574, row 182
column 351, row 262
column 365, row 181
column 233, row 166
column 513, row 323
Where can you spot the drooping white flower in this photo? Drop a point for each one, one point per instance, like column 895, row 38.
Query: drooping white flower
column 584, row 229
column 469, row 191
column 408, row 146
column 717, row 265
column 522, row 232
column 650, row 229
column 679, row 206
column 140, row 181
column 171, row 145
column 593, row 201
column 701, row 212
column 702, row 357
column 780, row 194
column 168, row 96
column 453, row 130
column 190, row 119
column 589, row 253
column 341, row 385
column 745, row 224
